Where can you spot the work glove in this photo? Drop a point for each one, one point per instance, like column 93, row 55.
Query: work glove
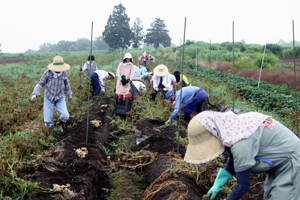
column 222, row 178
column 124, row 81
column 173, row 124
column 168, row 122
column 119, row 77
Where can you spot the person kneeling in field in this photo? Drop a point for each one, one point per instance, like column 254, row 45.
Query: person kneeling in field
column 57, row 86
column 192, row 98
column 100, row 75
column 256, row 143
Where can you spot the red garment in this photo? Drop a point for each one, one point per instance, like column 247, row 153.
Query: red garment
column 144, row 57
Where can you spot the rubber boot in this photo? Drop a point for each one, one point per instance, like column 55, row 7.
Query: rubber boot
column 50, row 131
column 187, row 118
column 121, row 102
column 59, row 126
column 127, row 101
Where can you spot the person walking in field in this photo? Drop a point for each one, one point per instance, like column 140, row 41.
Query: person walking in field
column 100, row 76
column 56, row 81
column 192, row 99
column 144, row 58
column 256, row 143
column 90, row 66
column 125, row 74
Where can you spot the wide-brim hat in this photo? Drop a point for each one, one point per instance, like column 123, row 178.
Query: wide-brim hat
column 138, row 79
column 161, row 70
column 203, row 146
column 58, row 64
column 128, row 55
column 112, row 74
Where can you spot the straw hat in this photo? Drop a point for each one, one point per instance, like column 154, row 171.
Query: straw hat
column 203, row 146
column 112, row 74
column 161, row 70
column 138, row 79
column 58, row 64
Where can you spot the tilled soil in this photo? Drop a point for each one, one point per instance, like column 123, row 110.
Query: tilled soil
column 88, row 177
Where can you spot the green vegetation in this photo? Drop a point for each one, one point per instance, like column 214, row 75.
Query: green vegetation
column 22, row 126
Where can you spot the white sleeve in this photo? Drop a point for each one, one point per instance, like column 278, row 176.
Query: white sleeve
column 155, row 81
column 84, row 67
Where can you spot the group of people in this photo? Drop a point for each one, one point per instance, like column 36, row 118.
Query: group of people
column 255, row 143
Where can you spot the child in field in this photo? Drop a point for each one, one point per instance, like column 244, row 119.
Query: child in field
column 57, row 86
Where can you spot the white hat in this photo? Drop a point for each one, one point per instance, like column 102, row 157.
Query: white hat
column 127, row 55
column 161, row 70
column 58, row 64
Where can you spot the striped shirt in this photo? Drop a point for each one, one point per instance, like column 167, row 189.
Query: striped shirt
column 57, row 84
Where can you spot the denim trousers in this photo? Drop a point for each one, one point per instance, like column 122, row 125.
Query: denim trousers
column 95, row 83
column 195, row 103
column 61, row 107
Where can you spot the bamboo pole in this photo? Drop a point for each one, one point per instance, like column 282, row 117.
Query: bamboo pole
column 262, row 63
column 295, row 78
column 196, row 59
column 88, row 108
column 233, row 91
column 181, row 88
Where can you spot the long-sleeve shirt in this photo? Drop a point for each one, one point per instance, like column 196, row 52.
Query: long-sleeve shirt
column 187, row 94
column 128, row 70
column 57, row 84
column 87, row 67
column 139, row 85
column 166, row 81
column 144, row 57
column 103, row 75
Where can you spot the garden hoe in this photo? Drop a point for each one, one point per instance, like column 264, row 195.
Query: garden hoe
column 79, row 87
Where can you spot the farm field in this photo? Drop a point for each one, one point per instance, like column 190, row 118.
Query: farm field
column 105, row 162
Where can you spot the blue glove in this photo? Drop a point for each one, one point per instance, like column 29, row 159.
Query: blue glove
column 131, row 79
column 119, row 77
column 222, row 178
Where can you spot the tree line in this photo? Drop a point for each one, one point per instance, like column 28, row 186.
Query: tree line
column 117, row 34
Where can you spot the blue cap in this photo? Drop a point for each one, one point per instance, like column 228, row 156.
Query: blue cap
column 169, row 94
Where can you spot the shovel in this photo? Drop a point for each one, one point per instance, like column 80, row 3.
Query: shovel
column 79, row 87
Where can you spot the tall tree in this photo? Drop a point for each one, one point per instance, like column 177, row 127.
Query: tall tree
column 46, row 47
column 82, row 44
column 117, row 33
column 100, row 44
column 158, row 34
column 138, row 33
column 0, row 46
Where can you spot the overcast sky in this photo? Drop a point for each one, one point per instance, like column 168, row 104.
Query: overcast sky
column 25, row 24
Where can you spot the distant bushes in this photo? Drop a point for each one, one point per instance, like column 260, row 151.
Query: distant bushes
column 284, row 78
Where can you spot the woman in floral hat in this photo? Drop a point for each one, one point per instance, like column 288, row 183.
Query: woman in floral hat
column 256, row 143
